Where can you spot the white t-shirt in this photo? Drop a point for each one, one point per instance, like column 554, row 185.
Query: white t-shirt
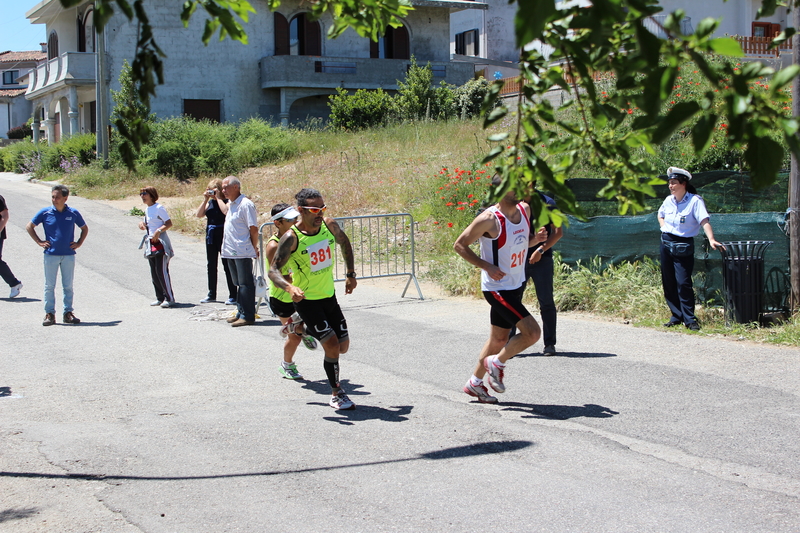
column 156, row 215
column 236, row 243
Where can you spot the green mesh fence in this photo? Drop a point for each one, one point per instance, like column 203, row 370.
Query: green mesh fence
column 723, row 192
column 616, row 239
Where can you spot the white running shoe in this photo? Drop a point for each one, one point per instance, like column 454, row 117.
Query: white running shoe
column 15, row 290
column 290, row 325
column 495, row 373
column 480, row 392
column 341, row 401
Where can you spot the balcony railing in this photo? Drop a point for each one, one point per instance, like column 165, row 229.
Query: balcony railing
column 70, row 68
column 309, row 72
column 760, row 46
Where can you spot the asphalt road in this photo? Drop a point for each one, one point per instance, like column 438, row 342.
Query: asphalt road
column 162, row 420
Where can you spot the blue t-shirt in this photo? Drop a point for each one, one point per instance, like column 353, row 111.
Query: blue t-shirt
column 59, row 228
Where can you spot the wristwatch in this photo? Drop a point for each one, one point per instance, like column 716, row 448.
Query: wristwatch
column 351, row 275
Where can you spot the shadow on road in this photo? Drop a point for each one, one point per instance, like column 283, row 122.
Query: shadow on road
column 97, row 324
column 17, row 514
column 323, row 387
column 470, row 450
column 368, row 412
column 21, row 299
column 559, row 412
column 577, row 355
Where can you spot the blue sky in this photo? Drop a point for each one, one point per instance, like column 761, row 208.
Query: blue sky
column 16, row 32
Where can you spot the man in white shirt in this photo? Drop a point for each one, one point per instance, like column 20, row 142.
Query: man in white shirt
column 239, row 248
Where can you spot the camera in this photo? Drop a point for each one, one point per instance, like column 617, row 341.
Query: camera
column 212, row 192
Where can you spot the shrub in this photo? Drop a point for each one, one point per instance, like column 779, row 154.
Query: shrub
column 20, row 132
column 364, row 109
column 469, row 97
column 257, row 142
column 173, row 158
column 16, row 156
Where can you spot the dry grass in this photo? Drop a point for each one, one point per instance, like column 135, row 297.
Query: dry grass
column 380, row 171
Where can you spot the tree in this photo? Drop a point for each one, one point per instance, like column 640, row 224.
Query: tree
column 609, row 40
column 607, row 37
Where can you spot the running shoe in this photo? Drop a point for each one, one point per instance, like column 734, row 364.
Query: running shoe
column 310, row 342
column 289, row 371
column 495, row 374
column 480, row 392
column 15, row 290
column 290, row 325
column 341, row 401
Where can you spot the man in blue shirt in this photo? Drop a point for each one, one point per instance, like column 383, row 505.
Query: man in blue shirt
column 59, row 245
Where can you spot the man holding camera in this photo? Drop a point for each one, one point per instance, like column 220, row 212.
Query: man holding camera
column 240, row 247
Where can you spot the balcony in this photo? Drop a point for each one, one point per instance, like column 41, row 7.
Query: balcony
column 70, row 68
column 311, row 72
column 760, row 46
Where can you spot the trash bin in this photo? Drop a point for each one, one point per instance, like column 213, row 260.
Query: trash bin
column 743, row 280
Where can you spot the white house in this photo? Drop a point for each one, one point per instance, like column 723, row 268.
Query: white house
column 285, row 73
column 15, row 110
column 487, row 37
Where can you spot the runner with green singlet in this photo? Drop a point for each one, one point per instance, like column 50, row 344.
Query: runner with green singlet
column 280, row 301
column 306, row 250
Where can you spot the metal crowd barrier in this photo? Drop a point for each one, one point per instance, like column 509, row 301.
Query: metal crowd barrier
column 383, row 247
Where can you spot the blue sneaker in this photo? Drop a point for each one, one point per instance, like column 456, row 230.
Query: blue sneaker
column 230, row 301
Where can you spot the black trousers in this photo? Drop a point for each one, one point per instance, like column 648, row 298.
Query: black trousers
column 676, row 278
column 213, row 249
column 5, row 271
column 541, row 273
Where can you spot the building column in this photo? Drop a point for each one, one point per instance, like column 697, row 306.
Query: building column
column 50, row 127
column 36, row 125
column 284, row 114
column 73, row 111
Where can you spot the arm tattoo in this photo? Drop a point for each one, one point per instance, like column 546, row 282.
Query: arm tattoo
column 344, row 243
column 286, row 246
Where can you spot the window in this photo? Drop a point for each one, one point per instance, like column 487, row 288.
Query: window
column 765, row 29
column 10, row 77
column 467, row 43
column 393, row 45
column 52, row 46
column 86, row 31
column 203, row 109
column 298, row 37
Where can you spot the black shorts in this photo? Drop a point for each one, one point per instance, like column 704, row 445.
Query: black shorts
column 507, row 308
column 281, row 309
column 323, row 318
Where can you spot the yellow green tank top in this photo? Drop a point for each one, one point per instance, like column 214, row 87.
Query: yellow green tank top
column 312, row 263
column 275, row 292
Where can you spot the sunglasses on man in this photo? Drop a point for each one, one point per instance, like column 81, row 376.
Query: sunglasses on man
column 314, row 210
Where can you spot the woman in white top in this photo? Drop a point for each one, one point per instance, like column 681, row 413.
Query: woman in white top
column 681, row 216
column 157, row 246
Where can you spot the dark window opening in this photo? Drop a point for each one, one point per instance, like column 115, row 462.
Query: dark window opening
column 10, row 77
column 203, row 109
column 467, row 43
column 393, row 45
column 298, row 37
column 52, row 46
